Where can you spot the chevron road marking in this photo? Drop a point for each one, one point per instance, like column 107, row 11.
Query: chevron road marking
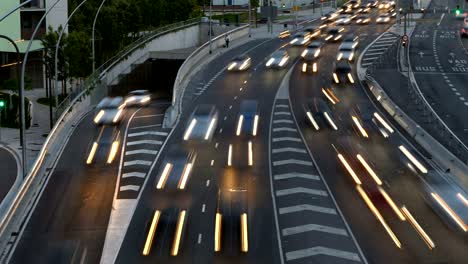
column 309, row 252
column 292, row 161
column 286, row 139
column 280, row 150
column 141, row 151
column 287, row 176
column 144, row 133
column 307, row 207
column 280, row 129
column 300, row 190
column 313, row 227
column 130, row 188
column 137, row 162
column 134, row 174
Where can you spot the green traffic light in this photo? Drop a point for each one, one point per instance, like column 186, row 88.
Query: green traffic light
column 457, row 12
column 2, row 104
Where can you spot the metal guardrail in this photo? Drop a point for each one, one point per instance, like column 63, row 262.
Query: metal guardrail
column 91, row 80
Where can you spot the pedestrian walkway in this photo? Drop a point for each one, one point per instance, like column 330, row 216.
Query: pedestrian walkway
column 379, row 47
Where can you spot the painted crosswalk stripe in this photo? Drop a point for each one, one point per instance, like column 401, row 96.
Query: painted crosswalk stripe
column 307, row 207
column 379, row 47
column 287, row 176
column 144, row 133
column 385, row 41
column 130, row 188
column 280, row 129
column 134, row 174
column 282, row 113
column 292, row 161
column 146, row 116
column 281, row 150
column 141, row 151
column 369, row 58
column 139, row 142
column 300, row 190
column 285, row 121
column 375, row 53
column 313, row 227
column 309, row 252
column 282, row 105
column 366, row 64
column 286, row 139
column 137, row 162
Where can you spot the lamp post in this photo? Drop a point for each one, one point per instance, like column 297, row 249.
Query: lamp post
column 57, row 45
column 21, row 103
column 23, row 70
column 92, row 33
column 209, row 30
column 250, row 19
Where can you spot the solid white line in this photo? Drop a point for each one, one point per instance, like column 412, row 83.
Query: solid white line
column 300, row 190
column 141, row 151
column 292, row 161
column 280, row 150
column 134, row 174
column 309, row 252
column 286, row 121
column 130, row 188
column 137, row 162
column 144, row 133
column 313, row 227
column 307, row 207
column 441, row 17
column 286, row 139
column 287, row 176
column 279, row 129
column 139, row 142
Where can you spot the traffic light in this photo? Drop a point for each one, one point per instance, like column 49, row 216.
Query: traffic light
column 2, row 103
column 457, row 10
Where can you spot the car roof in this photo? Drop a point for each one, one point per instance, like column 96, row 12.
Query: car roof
column 241, row 57
column 139, row 92
column 204, row 110
column 279, row 53
column 315, row 44
column 343, row 65
column 110, row 102
column 248, row 106
column 350, row 38
column 346, row 46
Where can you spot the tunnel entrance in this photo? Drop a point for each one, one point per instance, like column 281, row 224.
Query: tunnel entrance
column 155, row 75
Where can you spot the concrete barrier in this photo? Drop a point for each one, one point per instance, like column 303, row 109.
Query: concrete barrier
column 191, row 66
column 438, row 153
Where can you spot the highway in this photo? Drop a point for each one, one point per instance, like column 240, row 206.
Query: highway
column 439, row 60
column 287, row 194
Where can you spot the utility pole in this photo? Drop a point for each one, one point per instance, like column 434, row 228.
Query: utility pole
column 270, row 27
column 397, row 7
column 209, row 22
column 250, row 18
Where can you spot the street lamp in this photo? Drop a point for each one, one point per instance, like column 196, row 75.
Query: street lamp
column 57, row 45
column 14, row 9
column 23, row 70
column 92, row 32
column 209, row 31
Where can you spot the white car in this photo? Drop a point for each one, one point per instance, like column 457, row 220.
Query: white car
column 240, row 63
column 346, row 52
column 343, row 20
column 278, row 59
column 362, row 20
column 138, row 98
column 109, row 111
column 202, row 123
column 383, row 19
column 301, row 39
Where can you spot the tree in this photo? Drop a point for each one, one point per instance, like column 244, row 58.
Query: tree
column 77, row 53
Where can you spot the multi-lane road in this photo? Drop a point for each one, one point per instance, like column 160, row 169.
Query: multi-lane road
column 289, row 194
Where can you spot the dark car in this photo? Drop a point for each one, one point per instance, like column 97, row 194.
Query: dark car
column 248, row 118
column 334, row 34
column 310, row 57
column 319, row 113
column 313, row 31
column 342, row 72
column 176, row 168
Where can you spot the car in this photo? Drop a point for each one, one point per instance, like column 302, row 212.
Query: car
column 240, row 63
column 231, row 222
column 348, row 11
column 310, row 56
column 371, row 121
column 392, row 13
column 278, row 59
column 363, row 9
column 202, row 123
column 385, row 5
column 313, row 31
column 334, row 34
column 354, row 40
column 383, row 19
column 324, row 24
column 109, row 111
column 248, row 118
column 343, row 20
column 342, row 72
column 464, row 31
column 346, row 51
column 363, row 20
column 105, row 145
column 300, row 39
column 372, row 4
column 176, row 168
column 319, row 114
column 354, row 4
column 138, row 98
column 329, row 16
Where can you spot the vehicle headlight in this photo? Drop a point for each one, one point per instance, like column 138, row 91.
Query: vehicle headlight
column 335, row 77
column 145, row 99
column 339, row 56
column 130, row 99
column 317, row 52
column 304, row 67
column 387, row 19
column 304, row 41
column 269, row 62
column 379, row 19
column 338, row 37
column 358, row 21
column 283, row 61
column 350, row 78
column 351, row 56
column 244, row 64
column 117, row 116
column 232, row 66
column 293, row 41
column 304, row 53
column 99, row 116
column 347, row 20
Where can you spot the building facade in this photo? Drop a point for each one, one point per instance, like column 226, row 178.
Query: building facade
column 19, row 26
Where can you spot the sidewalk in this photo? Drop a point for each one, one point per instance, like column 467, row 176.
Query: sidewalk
column 35, row 135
